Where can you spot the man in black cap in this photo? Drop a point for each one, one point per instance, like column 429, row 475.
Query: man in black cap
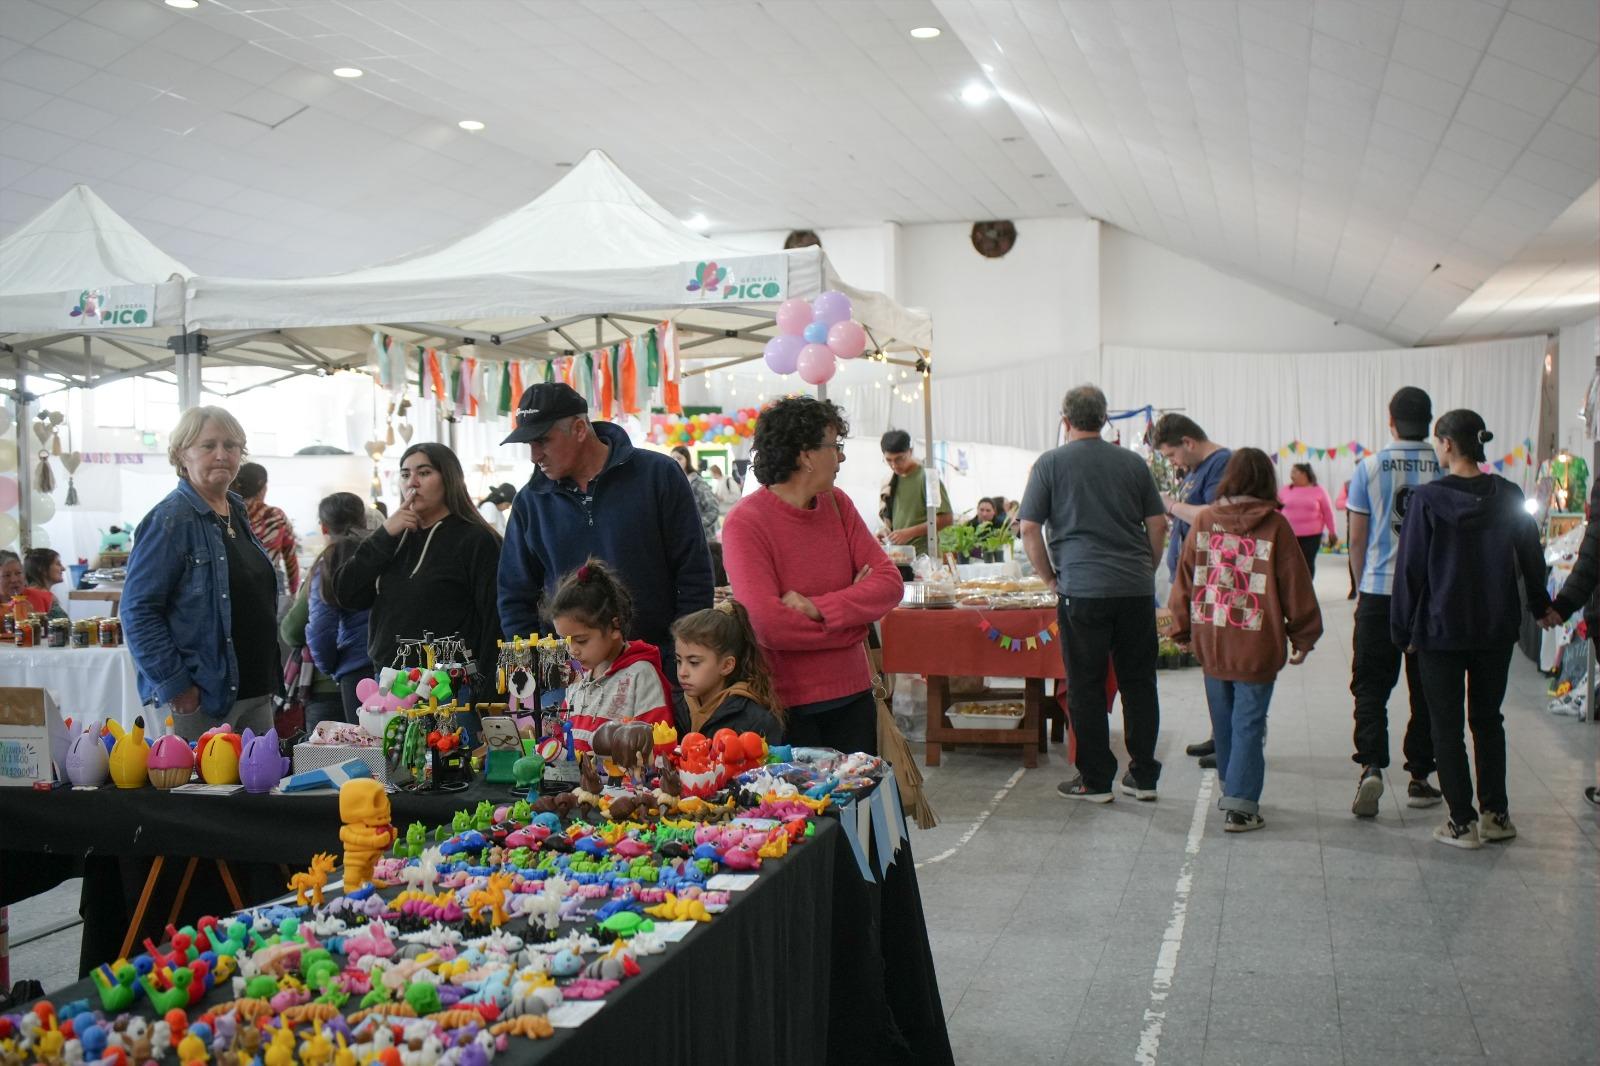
column 1379, row 489
column 594, row 494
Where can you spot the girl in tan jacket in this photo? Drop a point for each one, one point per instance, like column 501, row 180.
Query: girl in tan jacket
column 1241, row 594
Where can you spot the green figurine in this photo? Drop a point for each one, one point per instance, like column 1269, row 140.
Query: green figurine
column 526, row 773
column 423, row 997
column 174, row 998
column 115, row 986
column 483, row 817
column 522, row 810
column 416, row 840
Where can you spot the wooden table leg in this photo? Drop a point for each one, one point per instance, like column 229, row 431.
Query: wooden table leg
column 227, row 883
column 183, row 890
column 938, row 700
column 143, row 905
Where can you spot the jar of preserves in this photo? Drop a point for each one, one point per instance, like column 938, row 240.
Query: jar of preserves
column 58, row 631
column 109, row 636
column 80, row 633
column 24, row 632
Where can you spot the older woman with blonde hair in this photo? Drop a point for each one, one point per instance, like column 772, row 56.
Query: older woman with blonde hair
column 200, row 604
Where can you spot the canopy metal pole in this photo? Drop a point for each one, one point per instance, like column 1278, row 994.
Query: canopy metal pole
column 24, row 458
column 926, row 371
column 187, row 351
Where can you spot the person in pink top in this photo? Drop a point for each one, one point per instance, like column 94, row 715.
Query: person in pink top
column 1309, row 511
column 811, row 575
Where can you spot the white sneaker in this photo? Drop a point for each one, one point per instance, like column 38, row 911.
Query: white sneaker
column 1493, row 827
column 1458, row 836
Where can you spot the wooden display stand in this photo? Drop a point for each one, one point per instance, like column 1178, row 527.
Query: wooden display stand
column 1029, row 735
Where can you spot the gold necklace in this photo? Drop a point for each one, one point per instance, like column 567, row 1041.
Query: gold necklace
column 226, row 519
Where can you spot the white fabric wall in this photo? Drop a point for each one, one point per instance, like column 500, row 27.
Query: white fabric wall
column 1580, row 344
column 1151, row 297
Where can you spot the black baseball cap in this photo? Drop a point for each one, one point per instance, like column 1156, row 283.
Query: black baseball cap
column 502, row 493
column 542, row 406
column 1412, row 412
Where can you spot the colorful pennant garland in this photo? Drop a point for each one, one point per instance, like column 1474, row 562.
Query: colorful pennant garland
column 1522, row 453
column 1032, row 642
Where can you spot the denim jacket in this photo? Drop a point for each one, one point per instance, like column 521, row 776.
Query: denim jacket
column 175, row 610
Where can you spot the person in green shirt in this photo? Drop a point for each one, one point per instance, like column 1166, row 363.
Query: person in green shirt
column 905, row 508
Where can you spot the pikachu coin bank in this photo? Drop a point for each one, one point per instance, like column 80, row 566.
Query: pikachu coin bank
column 129, row 761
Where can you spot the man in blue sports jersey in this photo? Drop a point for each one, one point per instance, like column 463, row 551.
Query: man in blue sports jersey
column 1376, row 504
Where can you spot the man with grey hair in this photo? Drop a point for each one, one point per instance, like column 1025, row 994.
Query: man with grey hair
column 1106, row 528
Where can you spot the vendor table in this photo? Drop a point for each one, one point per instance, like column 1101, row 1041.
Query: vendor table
column 87, row 683
column 969, row 643
column 813, row 964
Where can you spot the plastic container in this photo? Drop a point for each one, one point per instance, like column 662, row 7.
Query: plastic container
column 984, row 721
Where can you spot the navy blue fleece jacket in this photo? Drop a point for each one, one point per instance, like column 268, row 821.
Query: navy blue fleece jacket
column 1462, row 546
column 639, row 516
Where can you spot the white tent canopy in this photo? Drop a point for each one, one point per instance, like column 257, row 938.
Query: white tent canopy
column 591, row 251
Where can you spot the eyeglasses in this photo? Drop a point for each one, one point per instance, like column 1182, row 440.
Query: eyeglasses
column 839, row 447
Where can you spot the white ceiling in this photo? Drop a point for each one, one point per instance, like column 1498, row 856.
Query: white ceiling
column 1337, row 150
column 1334, row 151
column 222, row 134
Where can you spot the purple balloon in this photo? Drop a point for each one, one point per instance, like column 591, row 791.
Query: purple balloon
column 782, row 353
column 831, row 307
column 793, row 316
column 816, row 364
column 816, row 333
column 846, row 339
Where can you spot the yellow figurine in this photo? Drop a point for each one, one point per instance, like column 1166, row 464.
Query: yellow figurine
column 281, row 1051
column 316, row 1050
column 308, row 885
column 367, row 834
column 192, row 1049
column 130, row 759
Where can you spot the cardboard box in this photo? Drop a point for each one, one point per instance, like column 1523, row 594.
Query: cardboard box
column 32, row 737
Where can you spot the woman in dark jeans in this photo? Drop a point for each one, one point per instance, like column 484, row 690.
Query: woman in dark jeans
column 1456, row 604
column 1579, row 591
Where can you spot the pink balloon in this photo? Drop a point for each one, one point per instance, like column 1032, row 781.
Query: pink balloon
column 793, row 316
column 782, row 352
column 8, row 489
column 816, row 364
column 831, row 307
column 365, row 689
column 846, row 339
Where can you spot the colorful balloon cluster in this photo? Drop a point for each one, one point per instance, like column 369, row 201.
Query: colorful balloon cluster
column 813, row 335
column 705, row 428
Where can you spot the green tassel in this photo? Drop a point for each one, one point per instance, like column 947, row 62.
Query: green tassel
column 652, row 360
column 505, row 388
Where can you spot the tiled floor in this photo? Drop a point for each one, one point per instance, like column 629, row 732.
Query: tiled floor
column 1319, row 939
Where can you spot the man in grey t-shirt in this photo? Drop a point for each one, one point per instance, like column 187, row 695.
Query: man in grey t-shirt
column 1107, row 525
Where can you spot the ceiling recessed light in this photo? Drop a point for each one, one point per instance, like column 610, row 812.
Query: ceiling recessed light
column 347, row 72
column 563, row 164
column 697, row 221
column 184, row 4
column 470, row 124
column 976, row 93
column 1037, row 177
column 925, row 33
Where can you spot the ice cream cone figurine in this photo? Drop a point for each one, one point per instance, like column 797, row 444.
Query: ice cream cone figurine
column 367, row 834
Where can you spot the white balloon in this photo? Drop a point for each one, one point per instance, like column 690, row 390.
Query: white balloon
column 8, row 456
column 8, row 530
column 44, row 508
column 41, row 539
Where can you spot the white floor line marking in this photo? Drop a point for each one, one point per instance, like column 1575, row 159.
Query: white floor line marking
column 1172, row 941
column 972, row 829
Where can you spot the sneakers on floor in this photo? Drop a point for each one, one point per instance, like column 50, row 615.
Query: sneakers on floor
column 1421, row 794
column 1592, row 794
column 1368, row 792
column 1130, row 787
column 1208, row 762
column 1458, row 836
column 1493, row 827
column 1075, row 790
column 1240, row 822
column 1206, row 747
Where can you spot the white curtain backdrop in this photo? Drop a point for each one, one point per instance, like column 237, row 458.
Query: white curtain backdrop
column 1261, row 399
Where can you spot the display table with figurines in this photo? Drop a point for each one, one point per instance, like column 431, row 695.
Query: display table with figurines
column 532, row 926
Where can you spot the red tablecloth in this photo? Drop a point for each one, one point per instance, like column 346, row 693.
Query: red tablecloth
column 953, row 643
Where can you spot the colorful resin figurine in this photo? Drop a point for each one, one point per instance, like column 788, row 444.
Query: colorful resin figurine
column 364, row 809
column 217, row 755
column 171, row 762
column 526, row 774
column 86, row 758
column 261, row 766
column 307, row 886
column 130, row 759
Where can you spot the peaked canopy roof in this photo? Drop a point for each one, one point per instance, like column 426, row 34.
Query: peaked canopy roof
column 592, row 245
column 80, row 244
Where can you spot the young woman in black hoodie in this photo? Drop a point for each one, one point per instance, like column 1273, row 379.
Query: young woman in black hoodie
column 1464, row 539
column 430, row 568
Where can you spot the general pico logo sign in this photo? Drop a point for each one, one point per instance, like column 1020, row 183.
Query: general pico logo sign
column 113, row 305
column 760, row 278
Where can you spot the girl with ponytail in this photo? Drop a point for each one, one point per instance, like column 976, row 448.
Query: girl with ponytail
column 622, row 679
column 724, row 675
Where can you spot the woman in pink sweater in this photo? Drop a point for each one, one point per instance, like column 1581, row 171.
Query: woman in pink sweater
column 811, row 575
column 1309, row 511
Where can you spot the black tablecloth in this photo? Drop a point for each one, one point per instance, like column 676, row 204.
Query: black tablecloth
column 812, row 964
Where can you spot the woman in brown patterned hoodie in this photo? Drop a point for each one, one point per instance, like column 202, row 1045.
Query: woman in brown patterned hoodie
column 1241, row 595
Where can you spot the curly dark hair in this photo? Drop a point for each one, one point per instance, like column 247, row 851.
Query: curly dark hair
column 787, row 428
